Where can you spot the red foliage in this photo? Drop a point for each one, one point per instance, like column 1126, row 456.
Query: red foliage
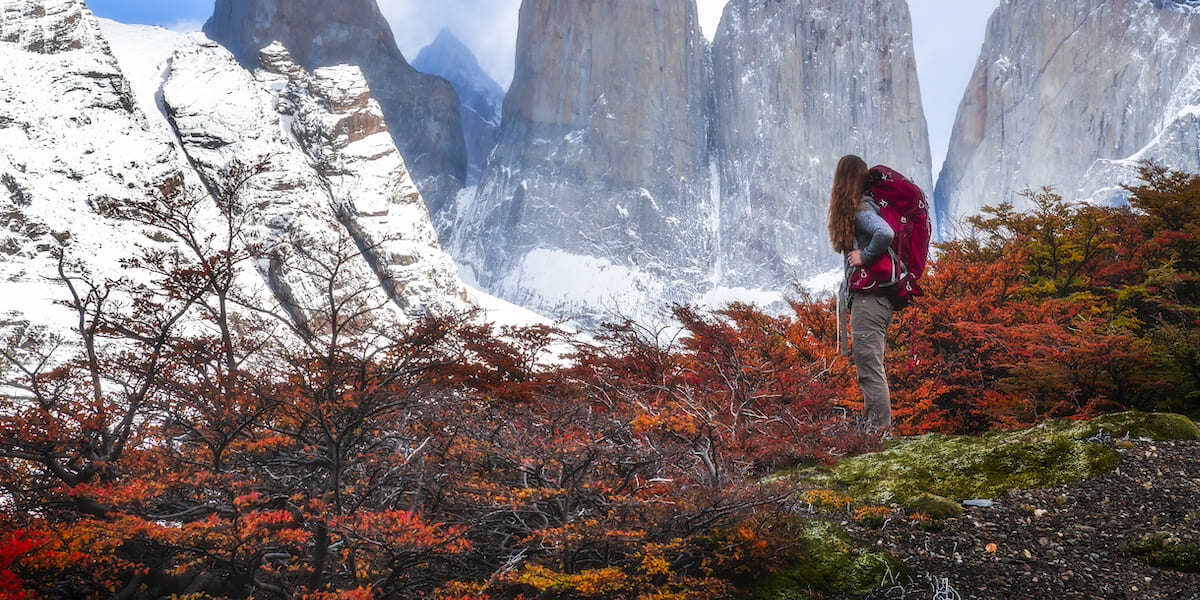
column 342, row 457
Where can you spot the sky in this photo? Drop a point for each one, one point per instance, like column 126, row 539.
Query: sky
column 947, row 35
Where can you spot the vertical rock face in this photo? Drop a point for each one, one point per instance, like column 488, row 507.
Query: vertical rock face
column 481, row 97
column 422, row 110
column 1069, row 94
column 797, row 86
column 334, row 174
column 72, row 140
column 599, row 183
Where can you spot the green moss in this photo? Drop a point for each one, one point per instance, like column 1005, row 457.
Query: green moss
column 832, row 565
column 915, row 472
column 988, row 466
column 1162, row 551
column 962, row 467
column 1156, row 426
column 934, row 506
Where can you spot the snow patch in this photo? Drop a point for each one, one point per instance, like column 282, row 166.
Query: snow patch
column 824, row 285
column 565, row 283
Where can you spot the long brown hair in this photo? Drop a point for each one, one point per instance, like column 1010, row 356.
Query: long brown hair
column 849, row 184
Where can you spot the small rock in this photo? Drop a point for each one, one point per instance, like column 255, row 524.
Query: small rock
column 1027, row 554
column 1061, row 500
column 991, row 548
column 979, row 503
column 1125, row 444
column 1040, row 512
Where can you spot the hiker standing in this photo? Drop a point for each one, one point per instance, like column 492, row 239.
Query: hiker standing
column 863, row 237
column 879, row 221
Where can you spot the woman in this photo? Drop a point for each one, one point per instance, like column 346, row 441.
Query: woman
column 859, row 233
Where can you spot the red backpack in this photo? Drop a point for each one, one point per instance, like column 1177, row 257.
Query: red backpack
column 903, row 205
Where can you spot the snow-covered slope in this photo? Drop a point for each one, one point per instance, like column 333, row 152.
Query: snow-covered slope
column 1069, row 93
column 422, row 110
column 482, row 98
column 72, row 140
column 333, row 175
column 85, row 125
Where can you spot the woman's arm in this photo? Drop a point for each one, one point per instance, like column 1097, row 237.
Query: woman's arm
column 881, row 235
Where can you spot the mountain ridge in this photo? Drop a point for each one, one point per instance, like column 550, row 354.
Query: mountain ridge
column 481, row 98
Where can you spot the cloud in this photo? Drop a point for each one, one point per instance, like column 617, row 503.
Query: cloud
column 186, row 25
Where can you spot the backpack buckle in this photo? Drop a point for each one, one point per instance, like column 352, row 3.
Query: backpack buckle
column 903, row 219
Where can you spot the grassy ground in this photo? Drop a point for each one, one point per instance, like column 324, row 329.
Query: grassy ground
column 928, row 476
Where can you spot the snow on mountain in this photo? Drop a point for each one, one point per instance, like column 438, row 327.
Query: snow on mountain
column 1071, row 94
column 422, row 110
column 1175, row 143
column 86, row 125
column 482, row 98
column 72, row 140
column 333, row 171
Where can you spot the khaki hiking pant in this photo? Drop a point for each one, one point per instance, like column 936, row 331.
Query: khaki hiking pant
column 870, row 316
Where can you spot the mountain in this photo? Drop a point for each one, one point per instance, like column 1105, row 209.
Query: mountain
column 797, row 86
column 598, row 190
column 73, row 140
column 422, row 110
column 1071, row 94
column 333, row 173
column 481, row 97
column 95, row 117
column 638, row 165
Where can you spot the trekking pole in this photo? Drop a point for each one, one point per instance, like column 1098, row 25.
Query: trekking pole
column 843, row 319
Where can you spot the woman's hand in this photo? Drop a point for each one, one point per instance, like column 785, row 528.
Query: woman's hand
column 856, row 259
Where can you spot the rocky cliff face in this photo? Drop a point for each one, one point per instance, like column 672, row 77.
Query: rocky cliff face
column 334, row 182
column 422, row 110
column 1071, row 94
column 599, row 186
column 85, row 125
column 72, row 139
column 481, row 97
column 798, row 85
column 637, row 166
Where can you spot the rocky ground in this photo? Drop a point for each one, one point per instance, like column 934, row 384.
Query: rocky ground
column 1092, row 539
